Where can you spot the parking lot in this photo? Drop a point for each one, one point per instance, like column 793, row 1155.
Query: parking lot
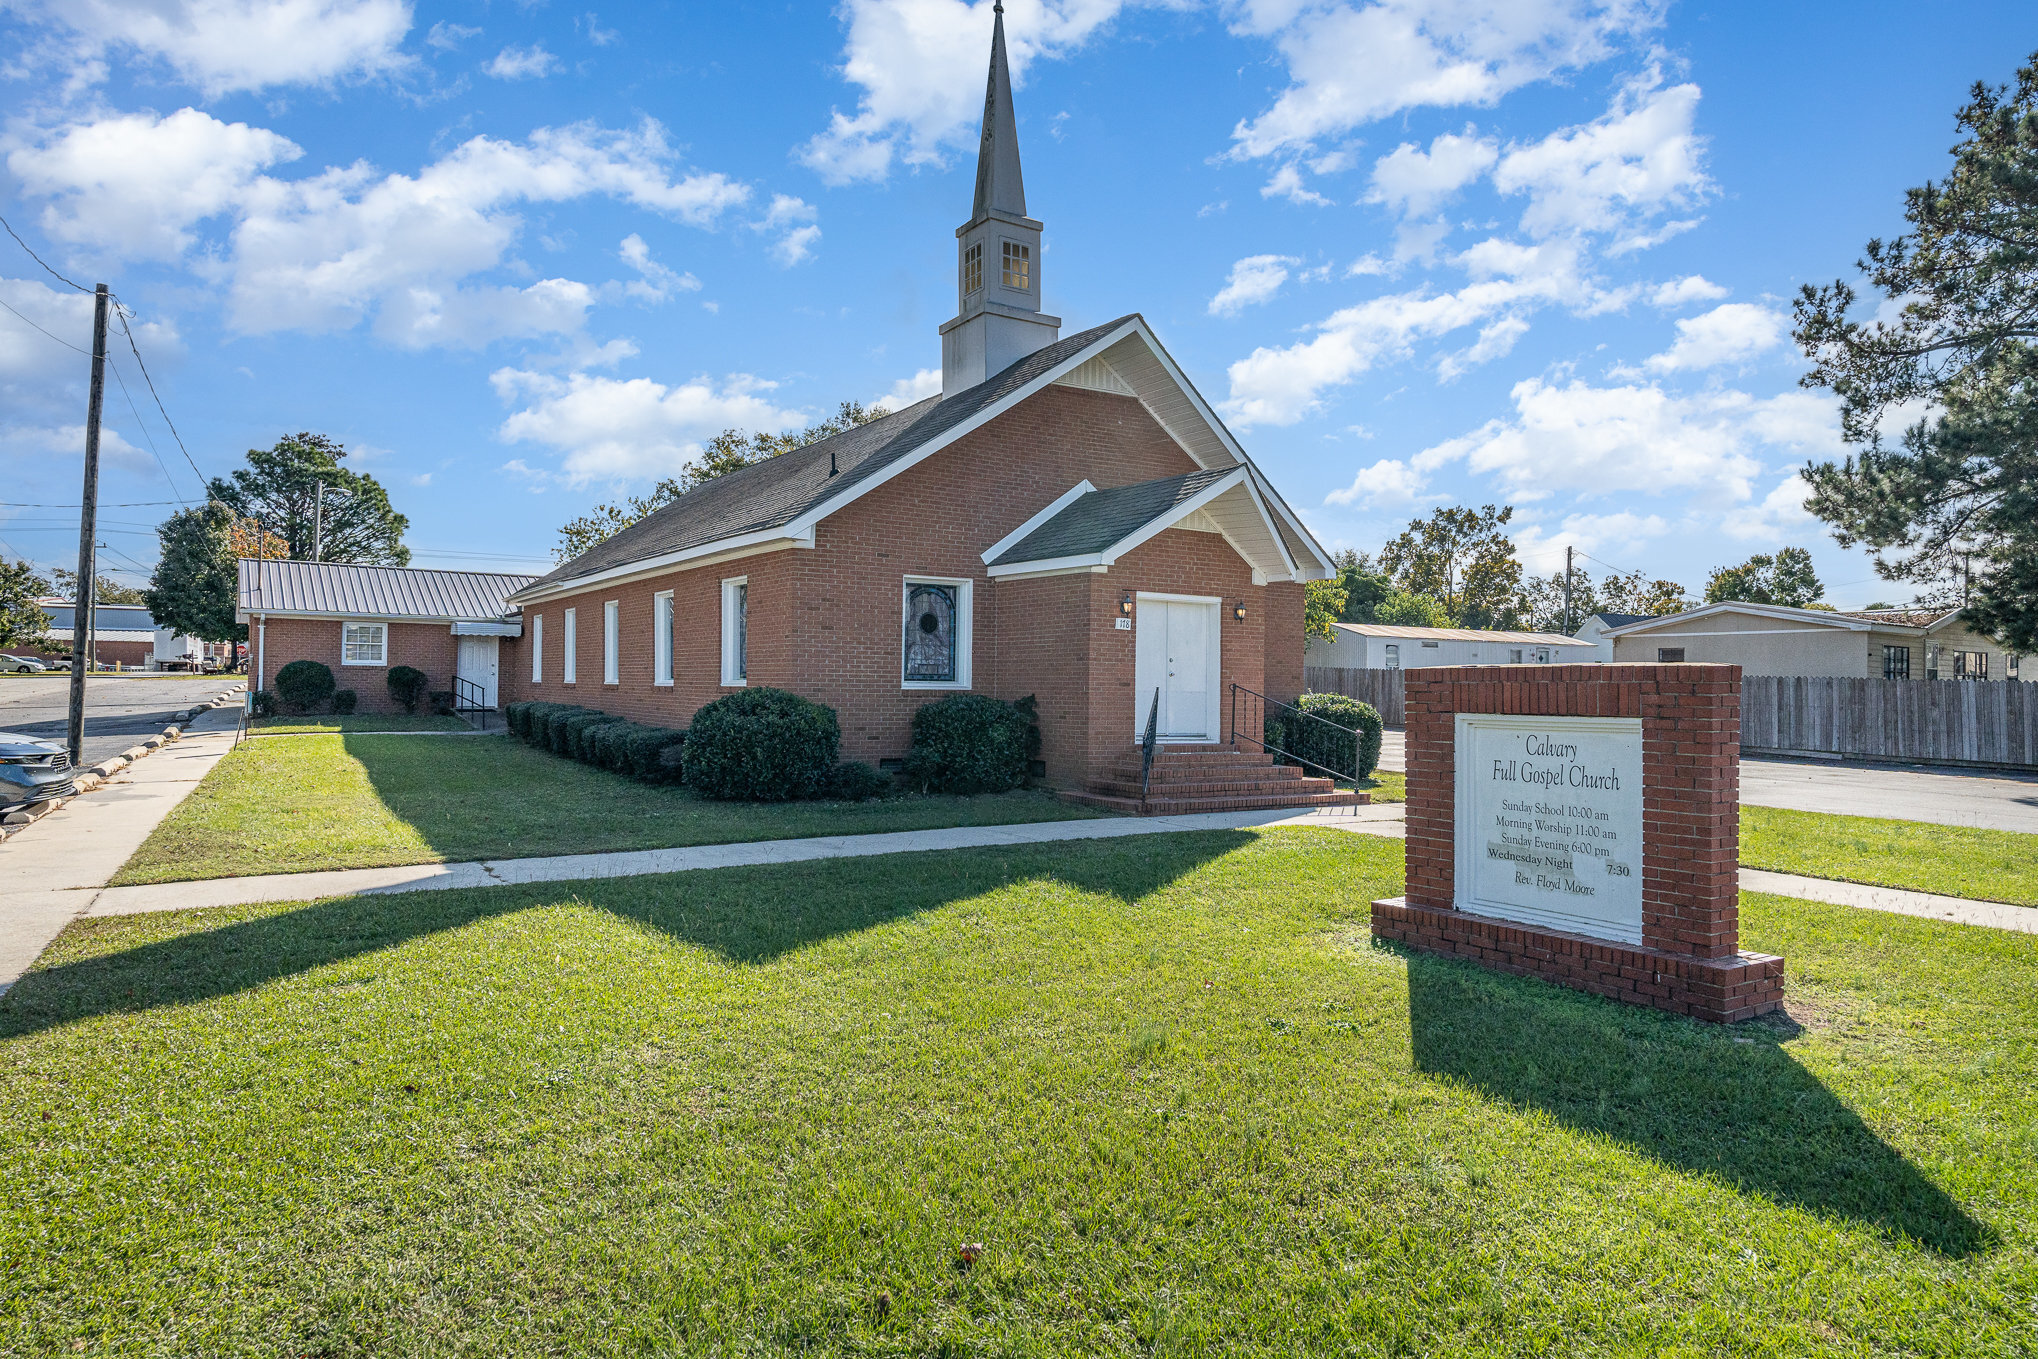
column 119, row 710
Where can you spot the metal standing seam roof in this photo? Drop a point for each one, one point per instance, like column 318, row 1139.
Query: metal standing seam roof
column 346, row 590
column 1097, row 520
column 779, row 490
column 1396, row 632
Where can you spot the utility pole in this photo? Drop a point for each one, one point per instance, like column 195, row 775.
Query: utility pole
column 1567, row 592
column 318, row 521
column 88, row 536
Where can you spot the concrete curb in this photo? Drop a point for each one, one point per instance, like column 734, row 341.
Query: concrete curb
column 97, row 776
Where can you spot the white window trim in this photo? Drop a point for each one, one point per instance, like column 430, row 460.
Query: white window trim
column 382, row 658
column 964, row 631
column 730, row 679
column 537, row 648
column 661, row 638
column 569, row 666
column 611, row 641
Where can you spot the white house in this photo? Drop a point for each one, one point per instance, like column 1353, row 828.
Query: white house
column 1771, row 639
column 1598, row 629
column 1385, row 646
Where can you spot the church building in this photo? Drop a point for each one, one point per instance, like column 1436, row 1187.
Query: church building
column 1068, row 519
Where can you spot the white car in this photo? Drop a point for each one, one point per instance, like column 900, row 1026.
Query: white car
column 21, row 665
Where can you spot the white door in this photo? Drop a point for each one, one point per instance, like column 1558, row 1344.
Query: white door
column 477, row 665
column 1175, row 653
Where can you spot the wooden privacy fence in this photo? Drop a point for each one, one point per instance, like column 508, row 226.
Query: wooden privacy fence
column 1986, row 722
column 1930, row 721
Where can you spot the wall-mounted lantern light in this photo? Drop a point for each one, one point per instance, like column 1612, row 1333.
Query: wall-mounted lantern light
column 1238, row 611
column 1125, row 604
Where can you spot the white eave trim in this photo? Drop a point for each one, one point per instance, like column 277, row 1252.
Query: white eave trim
column 1813, row 620
column 1050, row 566
column 1288, row 516
column 1056, row 506
column 1102, row 561
column 701, row 554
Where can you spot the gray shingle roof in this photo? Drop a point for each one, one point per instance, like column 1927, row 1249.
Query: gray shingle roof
column 341, row 589
column 1621, row 620
column 779, row 490
column 1096, row 520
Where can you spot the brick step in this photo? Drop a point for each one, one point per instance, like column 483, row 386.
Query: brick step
column 1131, row 806
column 1216, row 788
column 1211, row 762
column 1216, row 773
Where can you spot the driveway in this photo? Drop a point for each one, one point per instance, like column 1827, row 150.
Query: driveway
column 119, row 711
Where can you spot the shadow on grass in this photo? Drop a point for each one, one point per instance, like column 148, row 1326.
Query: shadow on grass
column 1687, row 1094
column 748, row 915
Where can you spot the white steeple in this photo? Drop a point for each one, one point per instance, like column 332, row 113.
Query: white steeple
column 998, row 319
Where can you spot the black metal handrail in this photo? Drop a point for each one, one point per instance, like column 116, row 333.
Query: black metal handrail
column 1147, row 743
column 470, row 697
column 1239, row 691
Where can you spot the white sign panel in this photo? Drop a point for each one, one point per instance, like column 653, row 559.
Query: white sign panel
column 1549, row 822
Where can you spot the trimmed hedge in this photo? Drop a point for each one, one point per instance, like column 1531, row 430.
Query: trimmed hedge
column 972, row 743
column 344, row 700
column 265, row 703
column 407, row 686
column 1320, row 745
column 304, row 685
column 762, row 745
column 855, row 781
column 632, row 749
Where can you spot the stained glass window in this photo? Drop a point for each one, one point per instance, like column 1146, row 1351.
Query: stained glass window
column 930, row 634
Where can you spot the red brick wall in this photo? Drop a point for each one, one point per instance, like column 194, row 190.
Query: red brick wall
column 1691, row 781
column 826, row 622
column 430, row 647
column 1285, row 610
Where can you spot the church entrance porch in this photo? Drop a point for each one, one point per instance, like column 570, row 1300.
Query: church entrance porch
column 1176, row 659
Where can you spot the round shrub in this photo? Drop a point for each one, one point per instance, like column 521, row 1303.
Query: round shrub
column 972, row 743
column 855, row 781
column 761, row 745
column 513, row 717
column 304, row 685
column 344, row 700
column 1329, row 746
column 407, row 686
column 265, row 703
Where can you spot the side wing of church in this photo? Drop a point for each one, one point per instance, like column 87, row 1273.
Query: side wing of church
column 1068, row 519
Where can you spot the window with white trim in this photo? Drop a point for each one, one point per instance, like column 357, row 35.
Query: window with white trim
column 537, row 648
column 1514, row 656
column 661, row 637
column 736, row 630
column 1018, row 266
column 566, row 661
column 935, row 647
column 1393, row 656
column 364, row 644
column 611, row 644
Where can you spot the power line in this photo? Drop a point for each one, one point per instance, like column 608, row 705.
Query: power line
column 39, row 260
column 33, row 326
column 121, row 311
column 143, row 427
column 74, row 505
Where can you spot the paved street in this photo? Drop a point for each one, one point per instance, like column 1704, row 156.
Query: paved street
column 119, row 711
column 1949, row 797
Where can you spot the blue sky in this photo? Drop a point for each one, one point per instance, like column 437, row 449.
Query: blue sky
column 522, row 257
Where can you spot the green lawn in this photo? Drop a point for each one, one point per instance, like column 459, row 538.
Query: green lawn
column 1955, row 861
column 1168, row 1083
column 287, row 804
column 1385, row 786
column 286, row 725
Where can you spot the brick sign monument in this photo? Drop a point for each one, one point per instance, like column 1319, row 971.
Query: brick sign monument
column 1581, row 823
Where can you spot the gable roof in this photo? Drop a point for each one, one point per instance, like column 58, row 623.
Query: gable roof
column 1395, row 632
column 347, row 590
column 1782, row 613
column 777, row 502
column 1925, row 619
column 1621, row 620
column 1097, row 521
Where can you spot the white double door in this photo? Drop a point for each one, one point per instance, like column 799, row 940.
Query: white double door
column 478, row 658
column 1175, row 653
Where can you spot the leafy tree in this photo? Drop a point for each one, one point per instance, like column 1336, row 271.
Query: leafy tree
column 1323, row 604
column 1962, row 487
column 105, row 589
column 1460, row 558
column 279, row 488
column 1542, row 601
column 22, row 623
column 197, row 575
column 1634, row 593
column 730, row 451
column 1786, row 578
column 1364, row 584
column 1404, row 610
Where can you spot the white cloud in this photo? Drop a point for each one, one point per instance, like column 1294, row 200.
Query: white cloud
column 222, row 46
column 134, row 185
column 446, row 35
column 921, row 66
column 906, row 391
column 1254, row 279
column 1542, row 550
column 39, row 378
column 325, row 252
column 1415, row 183
column 522, row 63
column 1636, row 438
column 655, row 282
column 68, row 441
column 786, row 214
column 1641, row 158
column 1286, row 182
column 1352, row 63
column 1387, row 484
column 1690, row 288
column 630, row 428
column 1728, row 334
column 1496, row 340
column 1778, row 518
column 795, row 246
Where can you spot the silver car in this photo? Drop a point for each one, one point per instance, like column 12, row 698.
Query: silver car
column 21, row 665
column 33, row 770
